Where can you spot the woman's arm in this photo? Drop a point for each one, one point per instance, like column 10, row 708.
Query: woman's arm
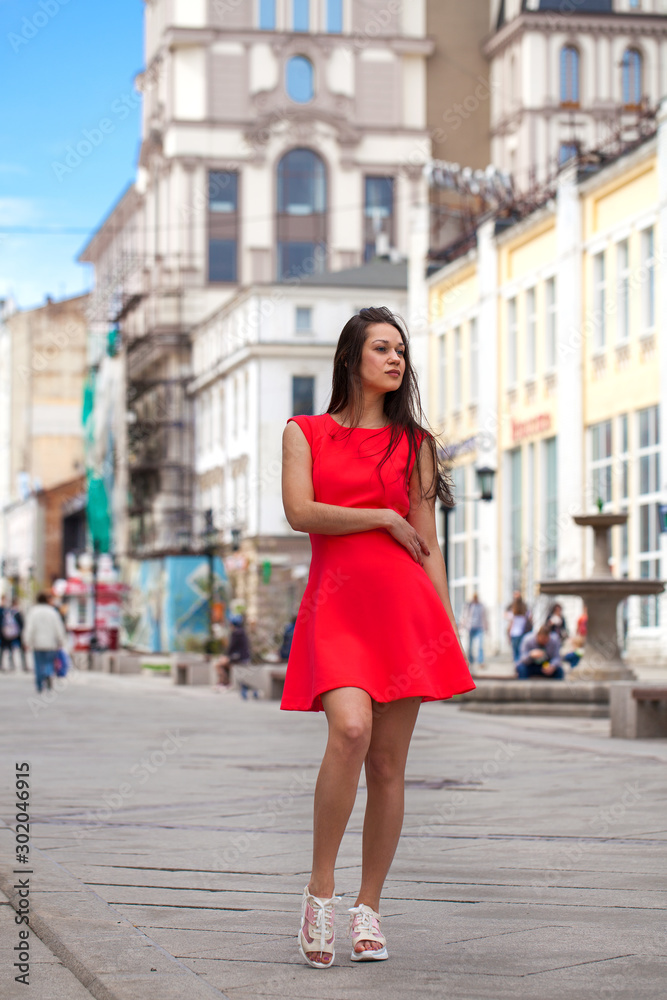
column 305, row 514
column 422, row 518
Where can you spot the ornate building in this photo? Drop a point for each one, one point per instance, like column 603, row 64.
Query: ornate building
column 569, row 75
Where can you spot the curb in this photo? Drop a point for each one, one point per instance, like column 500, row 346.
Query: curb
column 109, row 956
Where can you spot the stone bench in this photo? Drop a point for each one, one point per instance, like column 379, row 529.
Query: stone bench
column 537, row 697
column 638, row 712
column 193, row 669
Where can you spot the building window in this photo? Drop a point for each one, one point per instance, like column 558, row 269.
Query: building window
column 648, row 279
column 516, row 511
column 550, row 457
column 335, row 16
column 567, row 151
column 531, row 333
column 569, row 76
column 301, row 15
column 473, row 334
column 301, row 223
column 442, row 369
column 303, row 395
column 222, row 225
column 303, row 319
column 623, row 291
column 299, row 80
column 458, row 368
column 267, row 15
column 599, row 302
column 624, row 488
column 601, row 461
column 631, row 69
column 649, row 497
column 378, row 213
column 550, row 324
column 512, row 340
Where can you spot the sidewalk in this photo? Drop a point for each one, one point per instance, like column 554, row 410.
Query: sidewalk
column 171, row 842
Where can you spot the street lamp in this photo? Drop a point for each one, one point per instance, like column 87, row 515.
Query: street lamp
column 485, row 479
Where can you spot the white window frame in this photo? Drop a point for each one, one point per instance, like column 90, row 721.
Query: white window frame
column 550, row 323
column 473, row 355
column 623, row 291
column 647, row 243
column 531, row 335
column 603, row 464
column 458, row 368
column 599, row 265
column 442, row 375
column 512, row 342
column 649, row 616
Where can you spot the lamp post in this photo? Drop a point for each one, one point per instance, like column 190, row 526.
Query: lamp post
column 485, row 478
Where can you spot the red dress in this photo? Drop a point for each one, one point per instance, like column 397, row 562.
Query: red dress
column 370, row 616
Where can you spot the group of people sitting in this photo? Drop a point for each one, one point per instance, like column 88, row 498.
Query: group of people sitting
column 537, row 651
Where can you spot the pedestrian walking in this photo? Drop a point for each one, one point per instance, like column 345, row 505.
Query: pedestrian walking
column 45, row 635
column 582, row 623
column 288, row 635
column 476, row 622
column 540, row 656
column 11, row 634
column 375, row 633
column 520, row 623
column 239, row 657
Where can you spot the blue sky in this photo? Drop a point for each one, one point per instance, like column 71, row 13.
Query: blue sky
column 64, row 66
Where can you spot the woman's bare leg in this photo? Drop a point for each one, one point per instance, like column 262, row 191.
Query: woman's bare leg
column 393, row 725
column 349, row 714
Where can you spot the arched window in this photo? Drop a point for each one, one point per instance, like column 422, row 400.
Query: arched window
column 569, row 75
column 302, row 203
column 631, row 67
column 299, row 79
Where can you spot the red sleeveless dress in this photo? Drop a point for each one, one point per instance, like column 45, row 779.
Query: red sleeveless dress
column 370, row 616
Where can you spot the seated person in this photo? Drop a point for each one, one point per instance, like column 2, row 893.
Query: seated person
column 539, row 656
column 576, row 651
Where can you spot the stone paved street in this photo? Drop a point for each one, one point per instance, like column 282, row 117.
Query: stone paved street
column 171, row 832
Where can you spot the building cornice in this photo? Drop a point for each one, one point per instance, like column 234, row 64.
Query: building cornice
column 174, row 37
column 551, row 22
column 275, row 350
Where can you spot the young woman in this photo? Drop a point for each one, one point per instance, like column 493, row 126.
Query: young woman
column 375, row 634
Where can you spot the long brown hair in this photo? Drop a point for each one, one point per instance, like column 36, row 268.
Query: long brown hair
column 402, row 407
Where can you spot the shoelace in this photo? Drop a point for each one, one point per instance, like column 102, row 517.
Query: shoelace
column 360, row 920
column 323, row 921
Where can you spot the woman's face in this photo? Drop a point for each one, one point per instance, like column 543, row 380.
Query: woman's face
column 382, row 363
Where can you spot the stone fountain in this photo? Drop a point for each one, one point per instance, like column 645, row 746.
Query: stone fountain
column 601, row 594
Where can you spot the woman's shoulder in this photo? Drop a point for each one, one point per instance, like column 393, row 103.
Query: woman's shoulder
column 310, row 424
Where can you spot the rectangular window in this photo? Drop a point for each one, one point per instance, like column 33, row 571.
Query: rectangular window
column 648, row 279
column 550, row 458
column 516, row 511
column 222, row 225
column 303, row 395
column 442, row 366
column 649, row 497
column 599, row 302
column 297, row 260
column 474, row 361
column 267, row 15
column 301, row 15
column 335, row 16
column 550, row 324
column 567, row 151
column 458, row 368
column 601, row 461
column 531, row 334
column 378, row 214
column 623, row 292
column 512, row 338
column 303, row 319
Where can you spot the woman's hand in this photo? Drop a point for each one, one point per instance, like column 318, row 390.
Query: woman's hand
column 405, row 534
